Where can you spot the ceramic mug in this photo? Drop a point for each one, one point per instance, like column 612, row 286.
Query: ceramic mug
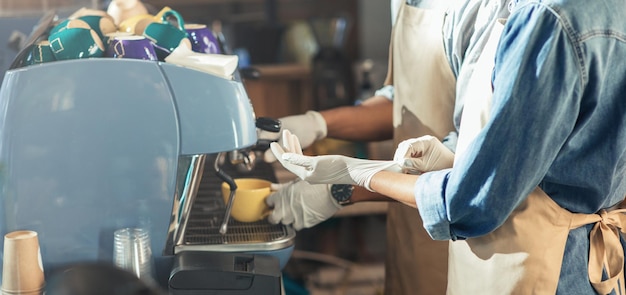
column 136, row 24
column 110, row 36
column 159, row 15
column 121, row 10
column 137, row 47
column 69, row 24
column 165, row 36
column 101, row 24
column 40, row 52
column 249, row 204
column 73, row 43
column 202, row 39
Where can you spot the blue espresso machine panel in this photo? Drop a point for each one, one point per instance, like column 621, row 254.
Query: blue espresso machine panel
column 91, row 146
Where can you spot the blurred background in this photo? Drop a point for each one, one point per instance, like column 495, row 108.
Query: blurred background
column 309, row 54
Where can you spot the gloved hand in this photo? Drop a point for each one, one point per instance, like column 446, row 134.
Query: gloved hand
column 332, row 169
column 301, row 204
column 308, row 127
column 423, row 154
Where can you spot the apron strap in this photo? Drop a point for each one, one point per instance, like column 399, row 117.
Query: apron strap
column 605, row 249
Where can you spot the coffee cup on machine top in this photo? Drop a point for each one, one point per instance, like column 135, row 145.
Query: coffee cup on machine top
column 136, row 24
column 101, row 24
column 166, row 36
column 109, row 37
column 121, row 10
column 69, row 24
column 202, row 39
column 38, row 53
column 74, row 39
column 137, row 47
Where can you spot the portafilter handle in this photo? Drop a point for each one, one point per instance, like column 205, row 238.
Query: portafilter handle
column 266, row 124
column 244, row 159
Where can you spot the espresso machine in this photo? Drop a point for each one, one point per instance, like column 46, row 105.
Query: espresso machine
column 94, row 145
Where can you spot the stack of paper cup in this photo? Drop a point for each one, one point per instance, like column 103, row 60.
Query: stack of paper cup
column 22, row 268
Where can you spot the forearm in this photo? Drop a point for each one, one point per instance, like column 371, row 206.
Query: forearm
column 397, row 186
column 371, row 121
column 361, row 194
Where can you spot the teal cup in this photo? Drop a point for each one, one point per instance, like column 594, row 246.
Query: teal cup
column 166, row 36
column 101, row 24
column 42, row 52
column 69, row 24
column 74, row 43
column 38, row 53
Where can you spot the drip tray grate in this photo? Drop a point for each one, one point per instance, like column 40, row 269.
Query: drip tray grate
column 207, row 212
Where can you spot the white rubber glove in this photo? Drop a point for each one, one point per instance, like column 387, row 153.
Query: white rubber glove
column 423, row 154
column 308, row 127
column 332, row 169
column 301, row 204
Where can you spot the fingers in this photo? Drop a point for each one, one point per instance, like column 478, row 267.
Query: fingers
column 268, row 157
column 297, row 148
column 271, row 199
column 280, row 212
column 412, row 166
column 288, row 141
column 277, row 150
column 291, row 144
column 298, row 159
column 278, row 186
column 275, row 216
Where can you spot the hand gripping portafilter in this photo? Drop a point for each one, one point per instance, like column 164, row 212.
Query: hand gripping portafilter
column 263, row 123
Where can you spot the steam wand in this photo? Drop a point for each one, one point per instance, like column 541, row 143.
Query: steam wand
column 233, row 187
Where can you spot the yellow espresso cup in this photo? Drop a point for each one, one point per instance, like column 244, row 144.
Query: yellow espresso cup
column 249, row 204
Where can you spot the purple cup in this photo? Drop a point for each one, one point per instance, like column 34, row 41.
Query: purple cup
column 202, row 39
column 137, row 47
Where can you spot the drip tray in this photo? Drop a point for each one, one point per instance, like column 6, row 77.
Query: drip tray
column 207, row 212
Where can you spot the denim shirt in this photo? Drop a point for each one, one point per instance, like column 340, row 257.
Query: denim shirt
column 558, row 121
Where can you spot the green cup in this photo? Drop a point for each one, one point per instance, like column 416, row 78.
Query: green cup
column 69, row 24
column 165, row 36
column 38, row 53
column 74, row 43
column 101, row 24
column 42, row 52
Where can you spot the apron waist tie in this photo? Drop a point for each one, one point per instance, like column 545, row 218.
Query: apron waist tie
column 605, row 249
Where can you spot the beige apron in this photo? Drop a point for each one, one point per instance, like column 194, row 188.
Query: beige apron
column 524, row 255
column 423, row 104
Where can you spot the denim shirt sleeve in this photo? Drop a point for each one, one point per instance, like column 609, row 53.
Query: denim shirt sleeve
column 537, row 85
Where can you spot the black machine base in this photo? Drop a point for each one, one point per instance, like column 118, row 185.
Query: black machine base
column 222, row 273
